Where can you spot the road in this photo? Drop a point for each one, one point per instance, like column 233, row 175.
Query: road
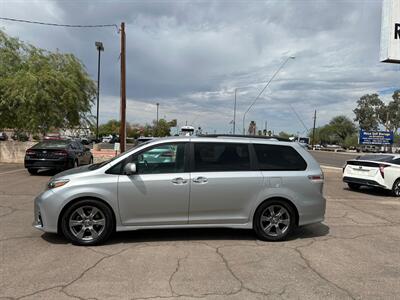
column 354, row 254
column 333, row 159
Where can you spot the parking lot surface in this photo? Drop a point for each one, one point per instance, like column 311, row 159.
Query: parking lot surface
column 354, row 254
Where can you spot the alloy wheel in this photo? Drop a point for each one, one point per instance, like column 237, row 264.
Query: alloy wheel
column 396, row 188
column 275, row 220
column 87, row 223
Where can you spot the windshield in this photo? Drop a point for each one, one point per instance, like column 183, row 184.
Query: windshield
column 101, row 164
column 53, row 144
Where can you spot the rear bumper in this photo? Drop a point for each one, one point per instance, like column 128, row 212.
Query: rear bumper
column 361, row 181
column 46, row 163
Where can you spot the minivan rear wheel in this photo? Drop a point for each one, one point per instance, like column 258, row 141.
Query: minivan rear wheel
column 274, row 220
column 87, row 222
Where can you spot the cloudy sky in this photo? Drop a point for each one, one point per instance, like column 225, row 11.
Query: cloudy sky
column 191, row 55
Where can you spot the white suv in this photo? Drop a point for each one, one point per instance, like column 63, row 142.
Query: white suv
column 377, row 170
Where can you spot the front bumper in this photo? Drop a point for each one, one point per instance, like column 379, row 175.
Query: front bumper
column 45, row 212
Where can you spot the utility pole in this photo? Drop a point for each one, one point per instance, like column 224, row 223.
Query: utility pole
column 99, row 46
column 313, row 131
column 234, row 114
column 266, row 127
column 122, row 128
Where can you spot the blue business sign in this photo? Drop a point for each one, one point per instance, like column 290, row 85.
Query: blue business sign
column 376, row 137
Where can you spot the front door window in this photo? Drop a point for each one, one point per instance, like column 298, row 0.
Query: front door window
column 167, row 158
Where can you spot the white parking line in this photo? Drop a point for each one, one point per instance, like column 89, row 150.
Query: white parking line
column 13, row 171
column 331, row 168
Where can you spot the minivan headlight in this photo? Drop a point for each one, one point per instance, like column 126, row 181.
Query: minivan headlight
column 57, row 183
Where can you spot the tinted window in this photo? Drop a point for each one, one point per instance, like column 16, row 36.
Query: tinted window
column 167, row 158
column 278, row 158
column 221, row 157
column 396, row 161
column 78, row 145
column 55, row 144
column 377, row 157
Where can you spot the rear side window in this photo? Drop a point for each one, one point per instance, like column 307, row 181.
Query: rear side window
column 396, row 161
column 278, row 158
column 213, row 157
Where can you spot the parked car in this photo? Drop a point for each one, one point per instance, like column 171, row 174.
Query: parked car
column 371, row 148
column 20, row 136
column 3, row 136
column 114, row 139
column 106, row 138
column 238, row 182
column 376, row 170
column 52, row 136
column 57, row 154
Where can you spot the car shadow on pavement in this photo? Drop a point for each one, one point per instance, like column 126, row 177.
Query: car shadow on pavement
column 47, row 172
column 373, row 191
column 194, row 234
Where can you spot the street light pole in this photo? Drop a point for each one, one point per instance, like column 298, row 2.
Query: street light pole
column 99, row 46
column 158, row 104
column 258, row 96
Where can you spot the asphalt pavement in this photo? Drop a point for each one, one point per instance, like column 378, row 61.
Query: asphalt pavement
column 353, row 254
column 333, row 159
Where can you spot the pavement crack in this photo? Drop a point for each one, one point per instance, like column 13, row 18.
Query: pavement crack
column 64, row 286
column 178, row 265
column 370, row 213
column 308, row 264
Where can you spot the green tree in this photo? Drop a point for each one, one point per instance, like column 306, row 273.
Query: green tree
column 41, row 90
column 369, row 111
column 342, row 127
column 284, row 135
column 111, row 127
column 161, row 129
column 350, row 141
column 392, row 116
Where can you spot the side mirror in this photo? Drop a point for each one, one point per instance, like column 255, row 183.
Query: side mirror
column 130, row 168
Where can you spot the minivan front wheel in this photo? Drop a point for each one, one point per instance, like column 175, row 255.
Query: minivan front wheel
column 87, row 222
column 274, row 220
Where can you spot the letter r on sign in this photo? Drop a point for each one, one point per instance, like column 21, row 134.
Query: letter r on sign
column 396, row 31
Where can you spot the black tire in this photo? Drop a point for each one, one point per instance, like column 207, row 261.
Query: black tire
column 396, row 188
column 72, row 233
column 32, row 171
column 260, row 225
column 353, row 186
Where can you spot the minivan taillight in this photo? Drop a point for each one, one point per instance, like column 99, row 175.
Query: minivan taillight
column 316, row 178
column 382, row 170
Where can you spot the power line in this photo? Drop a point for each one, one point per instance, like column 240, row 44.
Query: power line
column 60, row 25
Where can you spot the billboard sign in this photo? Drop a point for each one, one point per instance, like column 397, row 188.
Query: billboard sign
column 376, row 137
column 390, row 31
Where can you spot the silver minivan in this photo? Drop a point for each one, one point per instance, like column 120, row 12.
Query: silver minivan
column 268, row 185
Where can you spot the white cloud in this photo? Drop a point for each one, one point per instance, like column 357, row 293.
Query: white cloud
column 189, row 56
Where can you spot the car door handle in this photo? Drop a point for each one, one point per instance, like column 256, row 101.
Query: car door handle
column 178, row 180
column 200, row 179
